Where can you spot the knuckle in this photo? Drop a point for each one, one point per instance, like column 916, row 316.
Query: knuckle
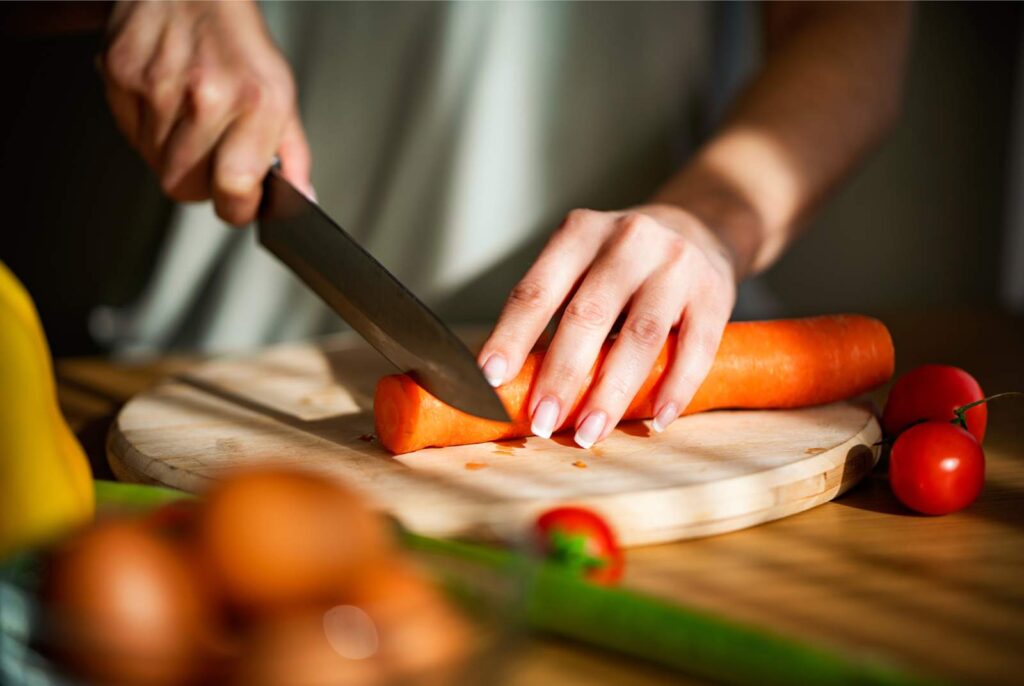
column 565, row 240
column 259, row 95
column 252, row 94
column 615, row 388
column 121, row 64
column 646, row 329
column 677, row 248
column 528, row 295
column 179, row 189
column 169, row 181
column 208, row 94
column 233, row 213
column 183, row 177
column 682, row 389
column 577, row 217
column 156, row 75
column 175, row 190
column 682, row 380
column 587, row 313
column 161, row 96
column 272, row 93
column 564, row 374
column 225, row 190
column 633, row 226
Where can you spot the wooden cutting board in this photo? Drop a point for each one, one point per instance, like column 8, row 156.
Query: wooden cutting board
column 310, row 405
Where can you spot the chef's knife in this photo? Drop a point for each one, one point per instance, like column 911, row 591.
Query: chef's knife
column 371, row 299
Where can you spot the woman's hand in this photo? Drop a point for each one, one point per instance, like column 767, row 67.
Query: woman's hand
column 661, row 266
column 200, row 89
column 755, row 182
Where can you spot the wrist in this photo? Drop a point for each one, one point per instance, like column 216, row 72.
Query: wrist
column 712, row 236
column 710, row 191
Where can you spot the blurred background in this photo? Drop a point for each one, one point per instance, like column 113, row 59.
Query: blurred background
column 933, row 221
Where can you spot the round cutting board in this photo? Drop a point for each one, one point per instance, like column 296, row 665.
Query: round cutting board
column 310, row 405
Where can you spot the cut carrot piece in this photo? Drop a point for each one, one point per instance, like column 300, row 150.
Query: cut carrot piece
column 759, row 365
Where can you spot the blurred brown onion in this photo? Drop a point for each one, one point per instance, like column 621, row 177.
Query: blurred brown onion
column 121, row 606
column 274, row 538
column 420, row 634
column 296, row 648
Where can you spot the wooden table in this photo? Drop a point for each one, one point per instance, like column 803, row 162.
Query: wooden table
column 944, row 595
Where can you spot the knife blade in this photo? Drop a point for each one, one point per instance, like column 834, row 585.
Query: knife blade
column 371, row 299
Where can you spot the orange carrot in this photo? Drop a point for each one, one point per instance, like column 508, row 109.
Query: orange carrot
column 759, row 365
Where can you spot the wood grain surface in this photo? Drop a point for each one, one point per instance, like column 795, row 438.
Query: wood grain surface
column 310, row 405
column 861, row 574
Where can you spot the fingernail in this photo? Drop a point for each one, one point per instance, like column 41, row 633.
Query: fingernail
column 494, row 369
column 239, row 183
column 311, row 194
column 668, row 414
column 590, row 430
column 544, row 417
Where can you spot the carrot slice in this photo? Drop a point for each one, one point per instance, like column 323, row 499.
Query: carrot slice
column 759, row 365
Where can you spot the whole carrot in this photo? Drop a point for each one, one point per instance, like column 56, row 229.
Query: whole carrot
column 759, row 365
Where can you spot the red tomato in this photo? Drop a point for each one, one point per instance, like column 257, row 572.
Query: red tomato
column 932, row 392
column 936, row 468
column 582, row 541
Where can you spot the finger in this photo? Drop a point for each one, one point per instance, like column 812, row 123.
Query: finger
column 131, row 46
column 700, row 334
column 126, row 107
column 584, row 326
column 296, row 159
column 654, row 309
column 535, row 299
column 240, row 163
column 132, row 37
column 163, row 90
column 185, row 173
column 119, row 16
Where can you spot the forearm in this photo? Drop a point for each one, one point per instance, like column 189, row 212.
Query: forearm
column 829, row 90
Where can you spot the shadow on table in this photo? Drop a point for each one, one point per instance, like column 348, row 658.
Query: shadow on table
column 875, row 495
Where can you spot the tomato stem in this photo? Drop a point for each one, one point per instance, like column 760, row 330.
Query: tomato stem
column 569, row 549
column 961, row 412
column 959, row 416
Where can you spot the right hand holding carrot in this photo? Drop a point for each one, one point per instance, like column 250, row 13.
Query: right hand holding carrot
column 660, row 265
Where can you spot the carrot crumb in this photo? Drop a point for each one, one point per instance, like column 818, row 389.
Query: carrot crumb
column 473, row 466
column 815, row 451
column 580, row 464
